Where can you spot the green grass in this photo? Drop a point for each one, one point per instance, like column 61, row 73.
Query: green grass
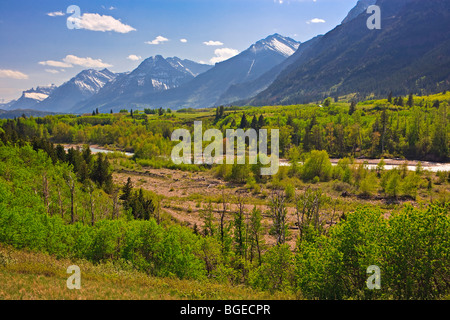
column 28, row 275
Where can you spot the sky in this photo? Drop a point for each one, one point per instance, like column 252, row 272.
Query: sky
column 47, row 42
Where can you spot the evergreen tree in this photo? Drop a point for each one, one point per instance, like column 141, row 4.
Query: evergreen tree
column 254, row 124
column 126, row 193
column 261, row 122
column 244, row 123
column 352, row 108
column 60, row 153
column 100, row 172
column 410, row 100
column 290, row 120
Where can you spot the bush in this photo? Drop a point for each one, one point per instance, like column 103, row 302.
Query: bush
column 276, row 273
column 317, row 165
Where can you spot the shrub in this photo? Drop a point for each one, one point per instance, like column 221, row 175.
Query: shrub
column 317, row 165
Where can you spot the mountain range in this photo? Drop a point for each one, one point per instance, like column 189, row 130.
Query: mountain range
column 153, row 75
column 206, row 89
column 411, row 53
column 30, row 98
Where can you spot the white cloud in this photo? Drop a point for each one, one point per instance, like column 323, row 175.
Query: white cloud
column 56, row 14
column 213, row 43
column 52, row 71
column 86, row 62
column 158, row 40
column 12, row 74
column 70, row 60
column 223, row 54
column 97, row 22
column 315, row 20
column 183, row 40
column 134, row 57
column 56, row 64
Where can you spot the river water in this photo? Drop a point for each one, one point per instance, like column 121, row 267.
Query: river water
column 394, row 163
column 371, row 163
column 97, row 150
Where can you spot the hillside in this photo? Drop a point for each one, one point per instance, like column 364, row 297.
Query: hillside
column 409, row 54
column 206, row 88
column 225, row 228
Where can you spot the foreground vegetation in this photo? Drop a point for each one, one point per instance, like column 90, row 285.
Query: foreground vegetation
column 38, row 276
column 309, row 232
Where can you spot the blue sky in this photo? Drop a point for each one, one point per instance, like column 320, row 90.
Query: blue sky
column 39, row 49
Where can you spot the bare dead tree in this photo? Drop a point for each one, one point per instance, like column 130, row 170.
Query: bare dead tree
column 222, row 221
column 70, row 181
column 61, row 210
column 90, row 189
column 115, row 199
column 309, row 206
column 45, row 192
column 278, row 213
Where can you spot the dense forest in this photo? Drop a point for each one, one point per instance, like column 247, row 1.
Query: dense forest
column 293, row 232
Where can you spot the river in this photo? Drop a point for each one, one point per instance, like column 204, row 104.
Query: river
column 371, row 163
column 96, row 149
column 394, row 163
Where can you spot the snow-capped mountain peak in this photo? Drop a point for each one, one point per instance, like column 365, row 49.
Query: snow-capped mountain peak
column 91, row 81
column 32, row 97
column 282, row 45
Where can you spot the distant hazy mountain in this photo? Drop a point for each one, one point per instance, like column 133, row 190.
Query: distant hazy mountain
column 81, row 87
column 31, row 98
column 153, row 75
column 411, row 53
column 360, row 7
column 206, row 89
column 6, row 105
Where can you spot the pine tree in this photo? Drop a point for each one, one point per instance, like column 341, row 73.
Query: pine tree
column 60, row 153
column 352, row 108
column 290, row 121
column 390, row 97
column 126, row 193
column 261, row 122
column 254, row 124
column 244, row 123
column 100, row 173
column 410, row 100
